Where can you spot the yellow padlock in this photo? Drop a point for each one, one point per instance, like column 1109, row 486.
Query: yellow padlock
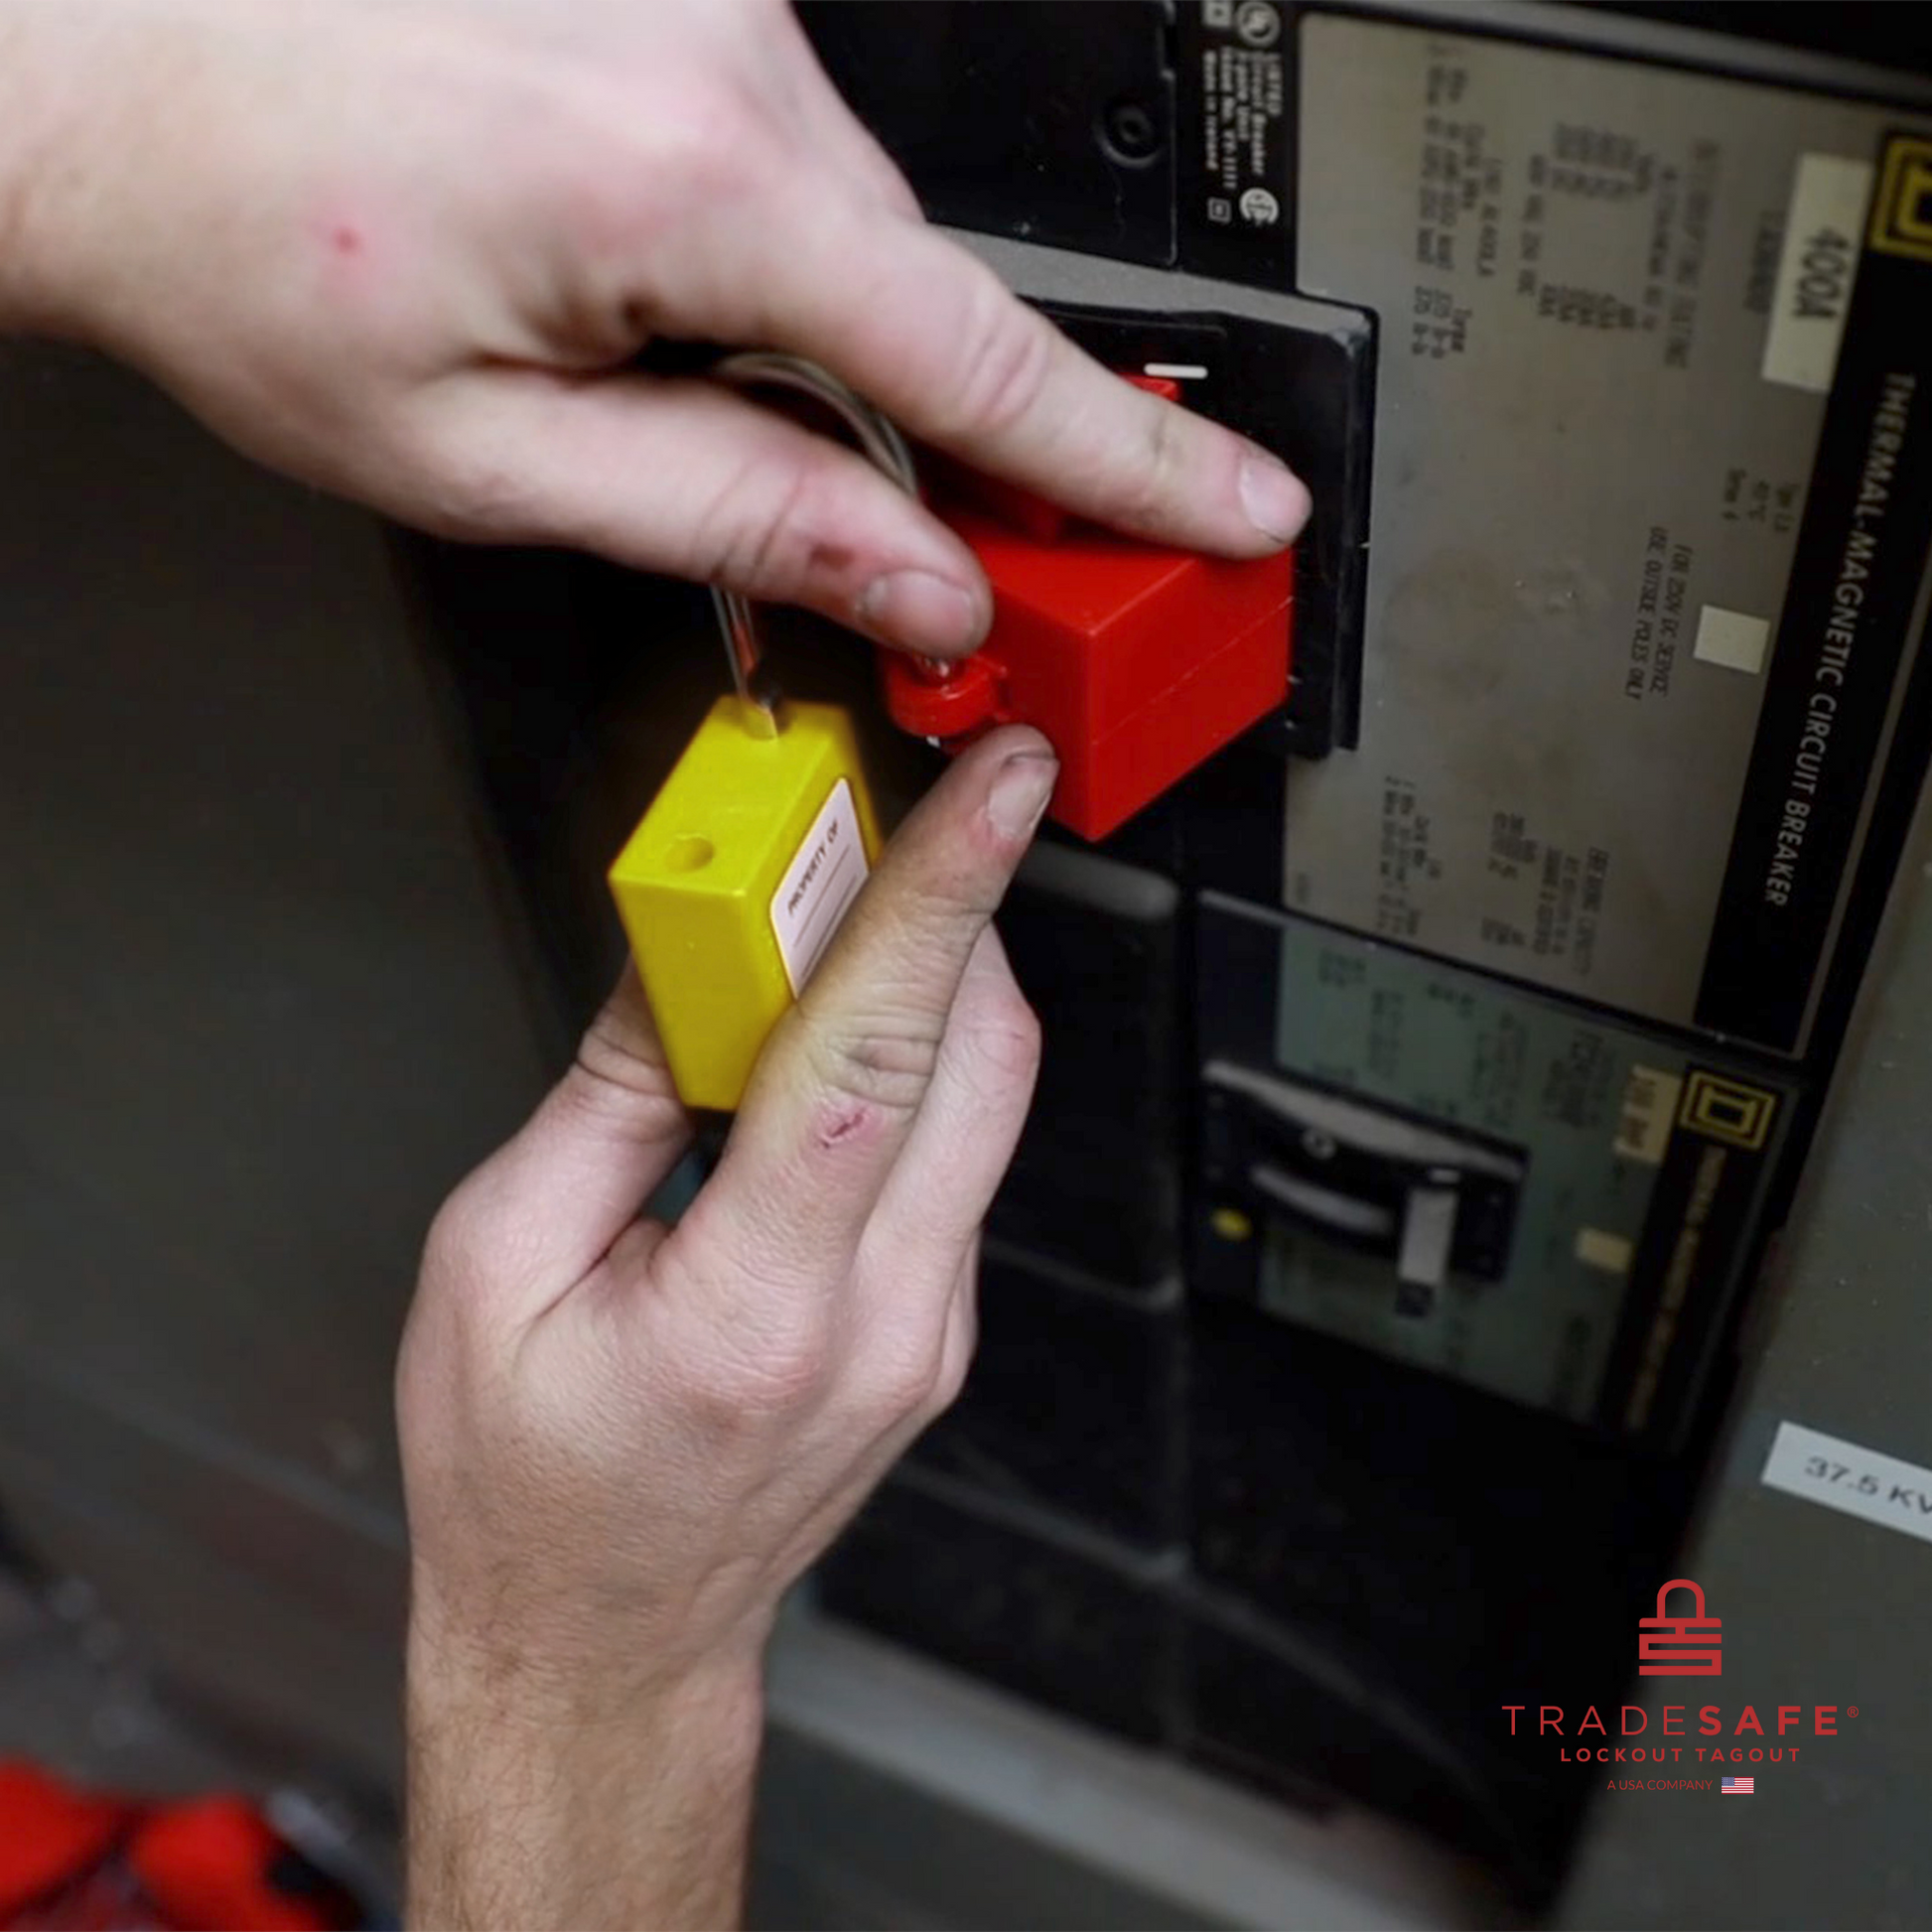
column 731, row 886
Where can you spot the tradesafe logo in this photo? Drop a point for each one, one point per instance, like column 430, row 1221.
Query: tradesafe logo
column 1682, row 1647
column 1688, row 1645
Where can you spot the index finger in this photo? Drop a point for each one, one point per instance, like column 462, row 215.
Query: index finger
column 840, row 1084
column 937, row 340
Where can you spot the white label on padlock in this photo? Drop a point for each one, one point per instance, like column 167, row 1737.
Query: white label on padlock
column 1860, row 1482
column 819, row 885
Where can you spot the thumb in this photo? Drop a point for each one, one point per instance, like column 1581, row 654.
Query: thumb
column 682, row 476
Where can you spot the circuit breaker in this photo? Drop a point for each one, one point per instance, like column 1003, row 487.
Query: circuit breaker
column 1426, row 1075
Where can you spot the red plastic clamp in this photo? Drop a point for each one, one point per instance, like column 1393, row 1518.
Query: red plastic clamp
column 1137, row 662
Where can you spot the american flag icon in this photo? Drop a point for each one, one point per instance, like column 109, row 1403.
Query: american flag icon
column 1740, row 1787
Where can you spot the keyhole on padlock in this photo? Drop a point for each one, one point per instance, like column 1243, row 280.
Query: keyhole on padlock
column 690, row 853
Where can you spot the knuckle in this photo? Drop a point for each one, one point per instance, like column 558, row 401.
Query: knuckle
column 951, row 1379
column 715, row 141
column 619, row 1080
column 881, row 1065
column 611, row 1054
column 1004, row 360
column 779, row 1372
column 891, row 187
column 628, row 189
column 902, row 1385
column 1009, row 1039
column 759, row 1341
column 1147, row 494
column 997, row 1054
column 465, row 486
column 760, row 533
column 471, row 1250
column 955, row 1357
column 457, row 1240
column 704, row 140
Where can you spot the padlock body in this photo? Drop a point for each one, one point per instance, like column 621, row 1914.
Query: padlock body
column 733, row 881
column 1683, row 1649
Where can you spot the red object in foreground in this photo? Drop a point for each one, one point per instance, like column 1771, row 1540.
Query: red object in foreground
column 217, row 1862
column 74, row 1858
column 1137, row 662
column 51, row 1835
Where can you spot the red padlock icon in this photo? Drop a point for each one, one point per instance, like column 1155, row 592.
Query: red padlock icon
column 1680, row 1646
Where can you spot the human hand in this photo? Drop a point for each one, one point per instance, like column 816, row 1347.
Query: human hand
column 405, row 249
column 622, row 1443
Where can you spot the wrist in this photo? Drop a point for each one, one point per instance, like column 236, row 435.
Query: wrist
column 538, row 1798
column 534, row 1689
column 560, row 1662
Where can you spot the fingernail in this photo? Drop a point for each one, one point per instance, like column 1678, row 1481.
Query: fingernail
column 1020, row 792
column 1276, row 500
column 922, row 612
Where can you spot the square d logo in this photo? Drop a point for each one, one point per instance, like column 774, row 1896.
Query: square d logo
column 1901, row 212
column 1727, row 1110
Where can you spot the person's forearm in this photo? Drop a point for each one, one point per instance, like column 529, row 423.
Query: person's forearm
column 525, row 1812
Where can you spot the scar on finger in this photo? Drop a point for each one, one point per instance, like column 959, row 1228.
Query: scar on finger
column 836, row 1129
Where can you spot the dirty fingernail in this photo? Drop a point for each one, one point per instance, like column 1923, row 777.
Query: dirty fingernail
column 921, row 611
column 1276, row 500
column 1020, row 792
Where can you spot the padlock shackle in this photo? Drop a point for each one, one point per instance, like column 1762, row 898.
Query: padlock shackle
column 759, row 699
column 877, row 434
column 1663, row 1598
column 880, row 443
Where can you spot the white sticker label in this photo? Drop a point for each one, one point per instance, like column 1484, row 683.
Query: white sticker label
column 1610, row 1253
column 1648, row 1113
column 1860, row 1482
column 819, row 885
column 1733, row 639
column 1814, row 270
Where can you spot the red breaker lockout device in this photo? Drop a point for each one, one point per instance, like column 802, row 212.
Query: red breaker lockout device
column 1137, row 662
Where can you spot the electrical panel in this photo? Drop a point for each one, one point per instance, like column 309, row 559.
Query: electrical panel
column 1426, row 1075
